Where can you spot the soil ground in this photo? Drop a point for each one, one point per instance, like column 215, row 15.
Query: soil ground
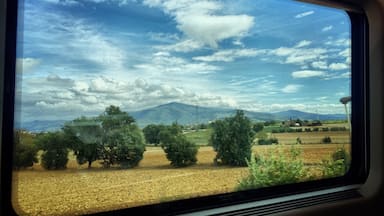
column 79, row 190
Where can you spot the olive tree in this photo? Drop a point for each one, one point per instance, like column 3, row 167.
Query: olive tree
column 178, row 149
column 55, row 150
column 232, row 139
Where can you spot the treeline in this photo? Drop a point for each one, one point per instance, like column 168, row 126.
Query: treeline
column 299, row 130
column 113, row 138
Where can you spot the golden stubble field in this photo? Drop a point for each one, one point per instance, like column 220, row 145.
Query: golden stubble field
column 78, row 190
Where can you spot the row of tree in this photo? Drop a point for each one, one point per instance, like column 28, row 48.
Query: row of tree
column 114, row 138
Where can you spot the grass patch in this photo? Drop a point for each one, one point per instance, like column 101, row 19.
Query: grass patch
column 200, row 137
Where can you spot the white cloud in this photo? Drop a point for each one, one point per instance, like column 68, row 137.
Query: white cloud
column 345, row 42
column 322, row 98
column 105, row 85
column 25, row 65
column 74, row 43
column 320, row 65
column 299, row 56
column 308, row 74
column 198, row 20
column 346, row 52
column 338, row 66
column 80, row 87
column 238, row 42
column 292, row 88
column 183, row 46
column 63, row 2
column 303, row 43
column 230, row 55
column 327, row 28
column 169, row 65
column 304, row 14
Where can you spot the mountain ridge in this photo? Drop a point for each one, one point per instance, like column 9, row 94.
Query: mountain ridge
column 187, row 114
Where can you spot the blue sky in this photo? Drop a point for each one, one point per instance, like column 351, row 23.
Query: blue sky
column 78, row 57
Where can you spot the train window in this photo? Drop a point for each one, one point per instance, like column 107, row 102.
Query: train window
column 144, row 104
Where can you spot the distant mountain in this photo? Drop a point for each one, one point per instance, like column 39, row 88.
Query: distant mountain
column 294, row 114
column 41, row 125
column 179, row 112
column 188, row 114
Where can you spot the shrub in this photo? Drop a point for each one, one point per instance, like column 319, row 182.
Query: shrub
column 54, row 159
column 325, row 129
column 290, row 130
column 151, row 133
column 55, row 152
column 257, row 127
column 338, row 165
column 124, row 146
column 341, row 154
column 307, row 129
column 180, row 151
column 24, row 153
column 269, row 141
column 232, row 140
column 315, row 129
column 299, row 129
column 326, row 139
column 275, row 168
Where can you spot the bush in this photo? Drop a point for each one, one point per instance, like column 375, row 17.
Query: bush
column 290, row 130
column 54, row 159
column 338, row 165
column 315, row 129
column 180, row 151
column 151, row 133
column 24, row 153
column 275, row 168
column 325, row 129
column 232, row 140
column 326, row 140
column 124, row 146
column 55, row 151
column 257, row 127
column 299, row 129
column 269, row 141
column 307, row 129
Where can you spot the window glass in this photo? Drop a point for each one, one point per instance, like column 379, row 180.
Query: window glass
column 124, row 103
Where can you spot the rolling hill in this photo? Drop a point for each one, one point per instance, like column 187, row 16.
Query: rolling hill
column 188, row 114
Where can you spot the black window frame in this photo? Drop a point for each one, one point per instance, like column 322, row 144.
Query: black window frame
column 359, row 140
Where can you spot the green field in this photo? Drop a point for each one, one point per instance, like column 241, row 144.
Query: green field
column 200, row 137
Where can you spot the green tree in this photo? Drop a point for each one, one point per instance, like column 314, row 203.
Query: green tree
column 178, row 149
column 124, row 146
column 24, row 153
column 114, row 118
column 55, row 151
column 84, row 136
column 152, row 133
column 232, row 140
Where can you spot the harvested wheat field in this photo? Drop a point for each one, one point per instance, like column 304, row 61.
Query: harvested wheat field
column 78, row 190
